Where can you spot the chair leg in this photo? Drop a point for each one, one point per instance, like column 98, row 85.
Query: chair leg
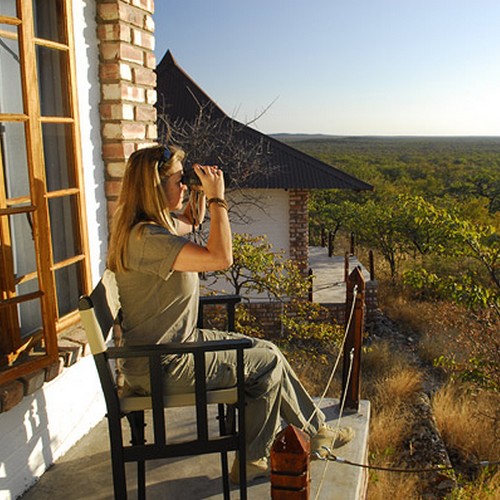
column 117, row 461
column 136, row 421
column 223, row 456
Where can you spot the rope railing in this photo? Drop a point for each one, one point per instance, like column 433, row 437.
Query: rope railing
column 333, row 458
column 336, row 364
column 341, row 412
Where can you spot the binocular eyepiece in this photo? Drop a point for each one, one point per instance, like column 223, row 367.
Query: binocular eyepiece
column 191, row 179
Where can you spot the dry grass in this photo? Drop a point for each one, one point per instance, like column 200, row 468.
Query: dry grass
column 399, row 386
column 390, row 383
column 386, row 485
column 470, row 426
column 469, row 422
column 388, row 428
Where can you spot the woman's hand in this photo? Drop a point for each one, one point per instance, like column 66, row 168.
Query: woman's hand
column 212, row 180
column 217, row 253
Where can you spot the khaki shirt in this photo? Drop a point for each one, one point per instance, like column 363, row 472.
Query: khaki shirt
column 159, row 305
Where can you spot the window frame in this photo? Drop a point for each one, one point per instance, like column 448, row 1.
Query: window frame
column 36, row 204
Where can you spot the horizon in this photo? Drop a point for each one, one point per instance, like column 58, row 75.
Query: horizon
column 379, row 68
column 375, row 136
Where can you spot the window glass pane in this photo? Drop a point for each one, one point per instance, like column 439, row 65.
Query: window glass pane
column 15, row 163
column 30, row 315
column 48, row 15
column 23, row 246
column 62, row 220
column 57, row 139
column 11, row 99
column 8, row 8
column 52, row 71
column 68, row 288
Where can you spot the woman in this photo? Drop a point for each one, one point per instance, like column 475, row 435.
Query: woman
column 156, row 270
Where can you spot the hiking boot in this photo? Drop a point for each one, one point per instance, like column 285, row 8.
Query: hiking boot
column 255, row 469
column 330, row 437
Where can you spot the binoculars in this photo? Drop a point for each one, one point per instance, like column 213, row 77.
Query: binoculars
column 191, row 179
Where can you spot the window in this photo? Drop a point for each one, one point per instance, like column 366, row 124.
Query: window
column 43, row 255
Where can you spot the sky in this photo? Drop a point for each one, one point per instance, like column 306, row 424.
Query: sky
column 342, row 67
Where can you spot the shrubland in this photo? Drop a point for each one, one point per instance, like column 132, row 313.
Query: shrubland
column 433, row 224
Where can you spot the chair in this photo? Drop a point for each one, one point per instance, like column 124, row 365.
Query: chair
column 100, row 313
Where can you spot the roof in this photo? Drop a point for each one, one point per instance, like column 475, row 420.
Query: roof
column 182, row 100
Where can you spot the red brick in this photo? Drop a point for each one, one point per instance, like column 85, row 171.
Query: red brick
column 131, row 15
column 149, row 23
column 145, row 114
column 11, row 394
column 151, row 96
column 132, row 93
column 149, row 60
column 33, row 381
column 117, row 150
column 143, row 39
column 55, row 369
column 133, row 130
column 131, row 53
column 69, row 351
column 111, row 207
column 107, row 11
column 147, row 5
column 113, row 188
column 109, row 50
column 109, row 71
column 114, row 32
column 78, row 336
column 152, row 132
column 144, row 76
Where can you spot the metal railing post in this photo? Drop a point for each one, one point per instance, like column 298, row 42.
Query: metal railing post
column 372, row 266
column 310, row 278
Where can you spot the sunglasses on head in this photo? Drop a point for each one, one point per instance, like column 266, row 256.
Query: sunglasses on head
column 165, row 156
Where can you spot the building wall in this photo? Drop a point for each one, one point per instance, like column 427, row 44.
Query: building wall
column 87, row 74
column 262, row 212
column 41, row 415
column 37, row 424
column 46, row 424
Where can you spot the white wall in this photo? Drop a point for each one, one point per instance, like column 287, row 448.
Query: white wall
column 87, row 69
column 262, row 212
column 257, row 212
column 46, row 424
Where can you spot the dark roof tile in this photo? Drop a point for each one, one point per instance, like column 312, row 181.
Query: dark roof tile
column 181, row 99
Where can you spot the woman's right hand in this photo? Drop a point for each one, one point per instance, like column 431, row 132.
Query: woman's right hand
column 212, row 180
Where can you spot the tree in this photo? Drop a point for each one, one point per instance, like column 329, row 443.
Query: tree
column 257, row 269
column 380, row 226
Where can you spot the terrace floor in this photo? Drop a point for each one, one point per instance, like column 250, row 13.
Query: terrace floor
column 84, row 473
column 329, row 283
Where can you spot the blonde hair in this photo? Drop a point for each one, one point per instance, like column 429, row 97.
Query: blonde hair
column 142, row 199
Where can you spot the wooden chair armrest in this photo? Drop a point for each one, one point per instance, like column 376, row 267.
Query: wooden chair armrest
column 230, row 302
column 178, row 348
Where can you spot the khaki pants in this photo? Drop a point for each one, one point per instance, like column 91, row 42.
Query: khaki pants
column 273, row 391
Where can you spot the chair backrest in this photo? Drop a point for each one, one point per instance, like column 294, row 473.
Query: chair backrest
column 99, row 312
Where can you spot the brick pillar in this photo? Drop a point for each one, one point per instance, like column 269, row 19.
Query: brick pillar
column 299, row 228
column 125, row 30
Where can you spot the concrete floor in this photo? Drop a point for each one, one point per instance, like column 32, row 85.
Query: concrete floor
column 329, row 285
column 84, row 473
